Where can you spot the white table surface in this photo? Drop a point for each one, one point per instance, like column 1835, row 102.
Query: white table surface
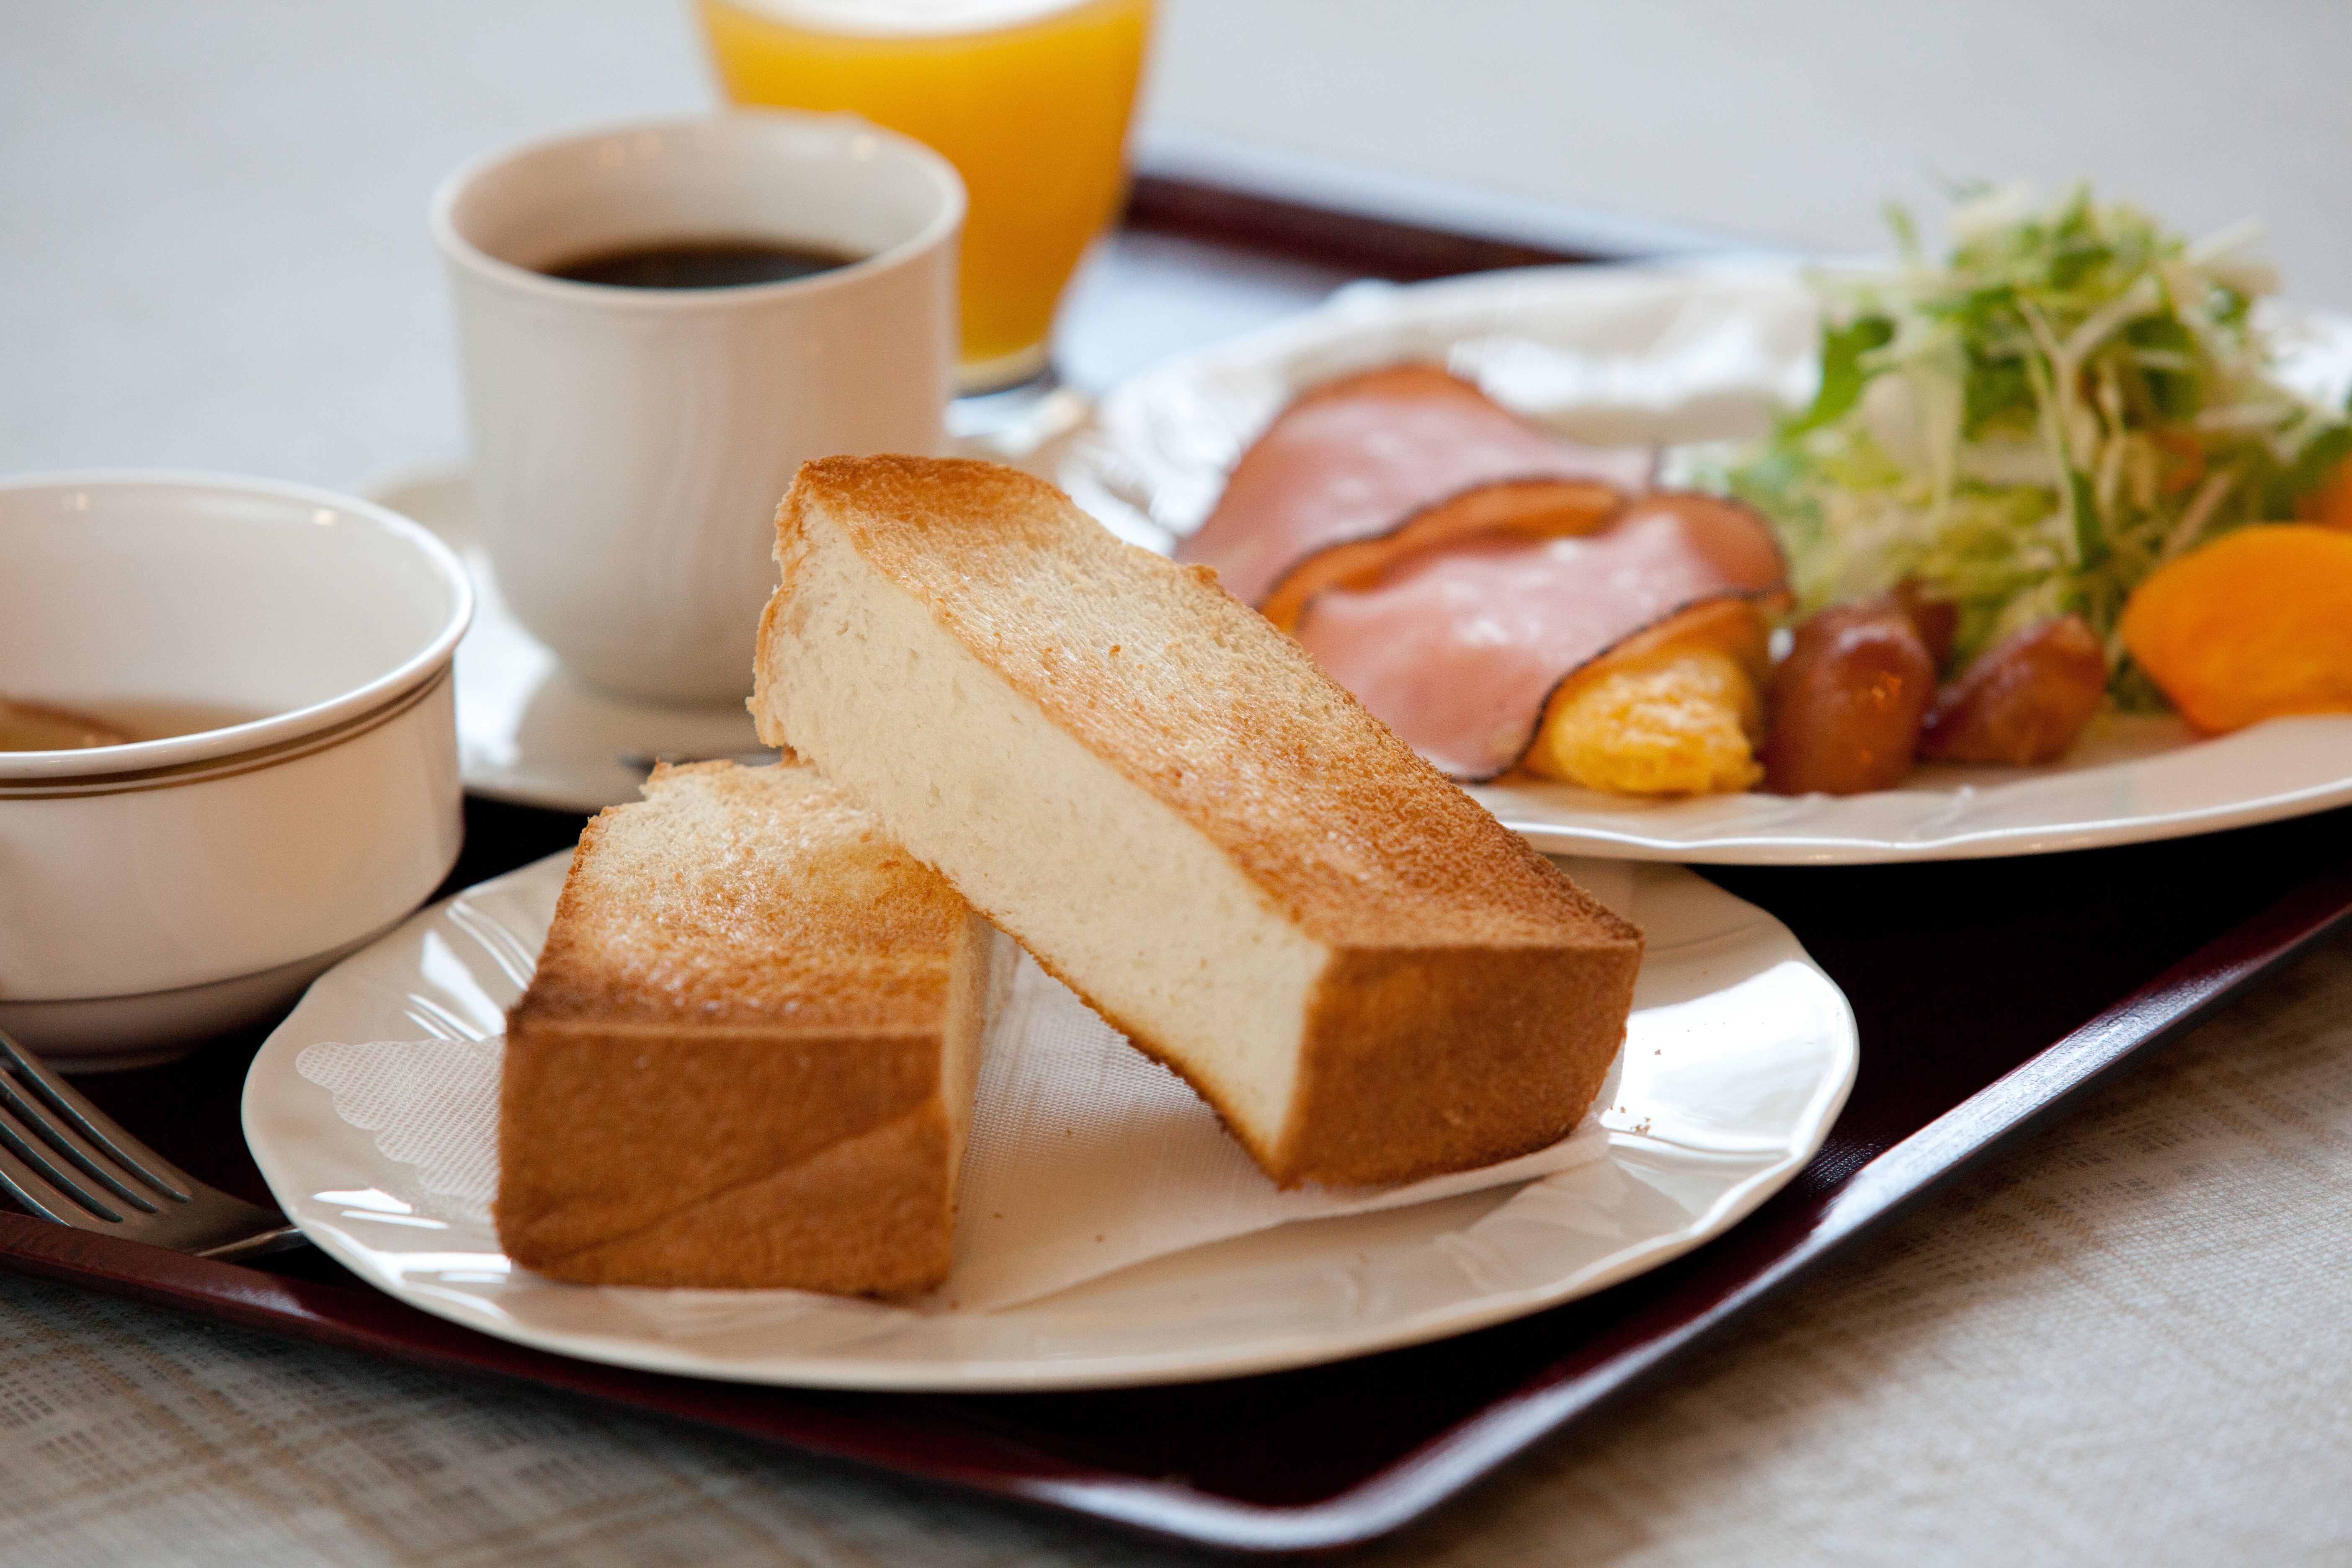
column 2130, row 1340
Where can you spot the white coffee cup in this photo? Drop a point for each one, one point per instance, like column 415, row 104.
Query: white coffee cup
column 630, row 444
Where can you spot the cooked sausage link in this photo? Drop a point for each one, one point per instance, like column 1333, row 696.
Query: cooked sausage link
column 1937, row 620
column 1847, row 703
column 2023, row 700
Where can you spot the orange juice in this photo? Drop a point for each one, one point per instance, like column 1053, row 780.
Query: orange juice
column 1029, row 99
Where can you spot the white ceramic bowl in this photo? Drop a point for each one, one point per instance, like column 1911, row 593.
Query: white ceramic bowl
column 157, row 892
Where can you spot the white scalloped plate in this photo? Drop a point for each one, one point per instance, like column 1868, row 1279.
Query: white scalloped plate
column 1662, row 357
column 1739, row 1057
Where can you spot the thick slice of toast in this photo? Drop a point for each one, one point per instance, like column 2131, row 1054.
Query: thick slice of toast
column 1165, row 801
column 749, row 1053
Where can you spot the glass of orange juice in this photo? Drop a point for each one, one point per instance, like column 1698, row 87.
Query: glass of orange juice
column 1028, row 99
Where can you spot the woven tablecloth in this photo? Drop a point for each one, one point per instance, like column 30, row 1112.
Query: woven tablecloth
column 2129, row 1341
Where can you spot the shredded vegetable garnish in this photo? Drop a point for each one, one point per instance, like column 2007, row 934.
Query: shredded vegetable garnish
column 2072, row 399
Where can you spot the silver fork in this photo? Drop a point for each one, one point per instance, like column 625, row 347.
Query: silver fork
column 66, row 1160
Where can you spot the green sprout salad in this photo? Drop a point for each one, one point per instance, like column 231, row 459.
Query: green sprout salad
column 2074, row 398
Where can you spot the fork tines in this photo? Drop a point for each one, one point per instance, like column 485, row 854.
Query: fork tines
column 67, row 1161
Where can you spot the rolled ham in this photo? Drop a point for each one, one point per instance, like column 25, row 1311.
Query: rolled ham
column 1459, row 648
column 1375, row 465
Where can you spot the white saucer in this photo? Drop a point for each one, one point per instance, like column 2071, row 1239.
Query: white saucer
column 528, row 732
column 525, row 731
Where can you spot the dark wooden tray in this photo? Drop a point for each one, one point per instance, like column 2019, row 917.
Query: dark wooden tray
column 1989, row 994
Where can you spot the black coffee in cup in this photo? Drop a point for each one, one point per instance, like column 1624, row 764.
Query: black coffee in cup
column 698, row 263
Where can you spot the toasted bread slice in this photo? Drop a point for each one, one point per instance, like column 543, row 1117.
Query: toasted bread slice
column 749, row 1055
column 1166, row 802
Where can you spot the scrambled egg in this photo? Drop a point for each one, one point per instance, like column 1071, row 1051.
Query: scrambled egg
column 1679, row 722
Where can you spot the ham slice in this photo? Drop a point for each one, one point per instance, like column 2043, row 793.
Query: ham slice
column 1458, row 649
column 1364, row 470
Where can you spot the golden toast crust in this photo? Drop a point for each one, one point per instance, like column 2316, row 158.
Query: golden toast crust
column 670, row 914
column 729, row 1068
column 1473, row 994
column 1362, row 842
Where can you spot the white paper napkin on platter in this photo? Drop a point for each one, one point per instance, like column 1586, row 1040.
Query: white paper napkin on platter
column 1086, row 1156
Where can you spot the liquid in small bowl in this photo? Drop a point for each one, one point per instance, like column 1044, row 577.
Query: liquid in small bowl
column 26, row 725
